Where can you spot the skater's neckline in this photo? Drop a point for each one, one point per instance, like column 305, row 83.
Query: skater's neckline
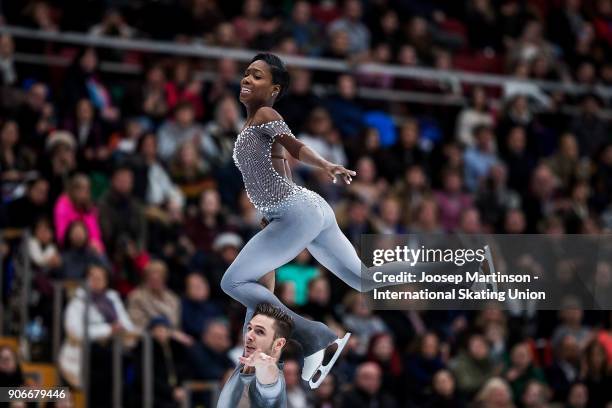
column 261, row 124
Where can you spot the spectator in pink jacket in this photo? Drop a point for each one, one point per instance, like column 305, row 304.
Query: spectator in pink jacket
column 76, row 204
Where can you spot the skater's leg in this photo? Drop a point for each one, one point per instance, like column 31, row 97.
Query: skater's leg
column 334, row 251
column 281, row 241
column 266, row 281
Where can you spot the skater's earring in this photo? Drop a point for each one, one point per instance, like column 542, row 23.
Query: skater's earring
column 274, row 93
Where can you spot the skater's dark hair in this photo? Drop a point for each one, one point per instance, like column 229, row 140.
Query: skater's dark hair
column 280, row 75
column 283, row 323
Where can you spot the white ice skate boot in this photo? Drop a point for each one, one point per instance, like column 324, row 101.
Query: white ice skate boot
column 313, row 363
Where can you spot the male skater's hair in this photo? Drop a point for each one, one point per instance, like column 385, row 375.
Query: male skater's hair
column 283, row 323
column 280, row 75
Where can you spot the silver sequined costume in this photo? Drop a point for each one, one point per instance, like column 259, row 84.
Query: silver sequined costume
column 266, row 189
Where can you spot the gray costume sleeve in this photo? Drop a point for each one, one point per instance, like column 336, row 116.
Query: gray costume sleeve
column 270, row 392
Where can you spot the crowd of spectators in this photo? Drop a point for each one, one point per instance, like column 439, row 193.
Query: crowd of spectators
column 128, row 184
column 568, row 40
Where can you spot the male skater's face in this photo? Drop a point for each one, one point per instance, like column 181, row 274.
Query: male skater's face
column 260, row 335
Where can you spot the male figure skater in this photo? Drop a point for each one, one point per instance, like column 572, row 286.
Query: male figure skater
column 258, row 381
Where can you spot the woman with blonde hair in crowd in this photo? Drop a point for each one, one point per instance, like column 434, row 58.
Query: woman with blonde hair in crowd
column 495, row 393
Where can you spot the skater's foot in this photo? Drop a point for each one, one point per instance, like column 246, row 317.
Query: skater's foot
column 314, row 371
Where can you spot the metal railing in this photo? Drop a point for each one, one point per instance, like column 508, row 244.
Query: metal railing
column 117, row 350
column 147, row 371
column 59, row 61
column 25, row 265
column 191, row 387
column 318, row 64
column 3, row 300
column 117, row 371
column 56, row 324
column 59, row 289
column 86, row 350
column 376, row 94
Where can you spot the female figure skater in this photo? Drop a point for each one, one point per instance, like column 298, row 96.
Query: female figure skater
column 298, row 218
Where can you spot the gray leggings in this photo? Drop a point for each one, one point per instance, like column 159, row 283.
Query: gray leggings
column 307, row 222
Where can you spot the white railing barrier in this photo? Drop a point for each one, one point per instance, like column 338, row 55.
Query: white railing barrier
column 320, row 64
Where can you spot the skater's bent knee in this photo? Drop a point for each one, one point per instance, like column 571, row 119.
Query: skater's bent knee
column 231, row 285
column 227, row 283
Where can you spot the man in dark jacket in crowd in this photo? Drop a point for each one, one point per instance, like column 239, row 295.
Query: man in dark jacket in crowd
column 196, row 306
column 124, row 228
column 122, row 217
column 209, row 356
column 170, row 368
column 366, row 391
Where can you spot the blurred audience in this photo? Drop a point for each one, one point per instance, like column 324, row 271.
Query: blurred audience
column 134, row 174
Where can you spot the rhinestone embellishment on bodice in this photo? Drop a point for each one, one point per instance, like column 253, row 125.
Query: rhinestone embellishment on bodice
column 265, row 187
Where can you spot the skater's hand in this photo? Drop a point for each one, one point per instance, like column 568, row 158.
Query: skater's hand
column 265, row 366
column 259, row 360
column 334, row 170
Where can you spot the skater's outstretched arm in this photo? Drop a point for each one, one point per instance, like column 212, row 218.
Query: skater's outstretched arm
column 309, row 156
column 300, row 151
